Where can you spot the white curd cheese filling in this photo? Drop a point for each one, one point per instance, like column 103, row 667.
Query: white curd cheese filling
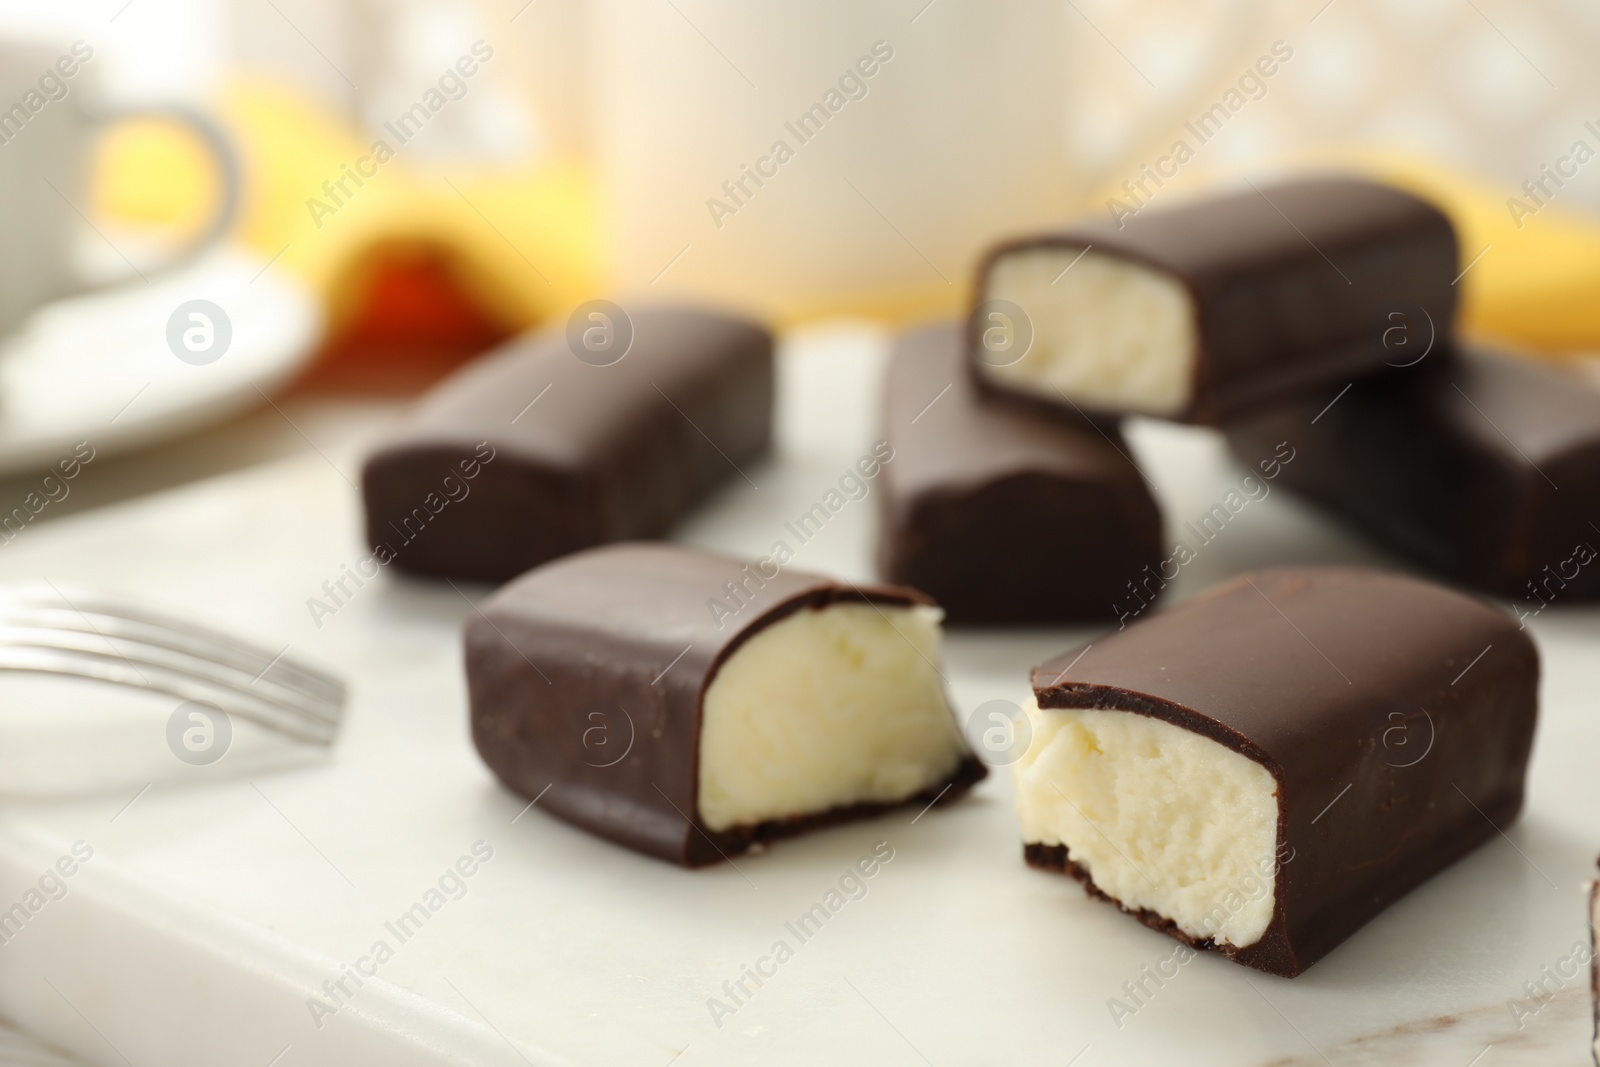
column 1160, row 817
column 1107, row 332
column 827, row 708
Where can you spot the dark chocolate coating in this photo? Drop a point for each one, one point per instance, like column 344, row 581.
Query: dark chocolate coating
column 1482, row 467
column 1334, row 679
column 1293, row 284
column 1000, row 513
column 625, row 633
column 609, row 453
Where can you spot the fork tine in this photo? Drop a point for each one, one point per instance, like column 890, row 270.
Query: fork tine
column 102, row 606
column 247, row 678
column 307, row 677
column 110, row 619
column 183, row 686
column 92, row 635
column 137, row 654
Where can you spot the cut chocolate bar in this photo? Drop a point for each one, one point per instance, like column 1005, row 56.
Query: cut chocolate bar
column 1594, row 962
column 1003, row 514
column 1199, row 312
column 1481, row 466
column 1263, row 769
column 533, row 452
column 688, row 705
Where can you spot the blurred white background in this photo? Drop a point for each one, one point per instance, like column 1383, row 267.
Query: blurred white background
column 1033, row 113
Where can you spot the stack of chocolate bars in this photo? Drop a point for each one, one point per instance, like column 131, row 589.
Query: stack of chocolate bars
column 1258, row 771
column 1311, row 319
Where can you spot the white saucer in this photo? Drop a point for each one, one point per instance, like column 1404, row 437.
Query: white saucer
column 98, row 368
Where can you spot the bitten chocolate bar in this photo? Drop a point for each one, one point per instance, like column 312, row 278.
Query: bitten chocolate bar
column 1198, row 312
column 618, row 680
column 1266, row 767
column 1481, row 466
column 1003, row 514
column 1594, row 962
column 532, row 452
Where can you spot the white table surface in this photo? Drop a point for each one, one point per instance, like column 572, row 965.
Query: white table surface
column 219, row 899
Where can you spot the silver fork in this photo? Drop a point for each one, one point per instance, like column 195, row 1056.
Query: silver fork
column 96, row 636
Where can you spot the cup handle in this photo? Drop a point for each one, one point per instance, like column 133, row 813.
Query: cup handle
column 223, row 154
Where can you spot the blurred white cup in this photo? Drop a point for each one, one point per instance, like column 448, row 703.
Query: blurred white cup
column 50, row 114
column 837, row 155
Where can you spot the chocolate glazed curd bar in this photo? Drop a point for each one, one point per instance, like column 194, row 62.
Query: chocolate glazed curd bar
column 610, row 679
column 1475, row 463
column 531, row 452
column 1198, row 312
column 1003, row 514
column 1266, row 767
column 1594, row 961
